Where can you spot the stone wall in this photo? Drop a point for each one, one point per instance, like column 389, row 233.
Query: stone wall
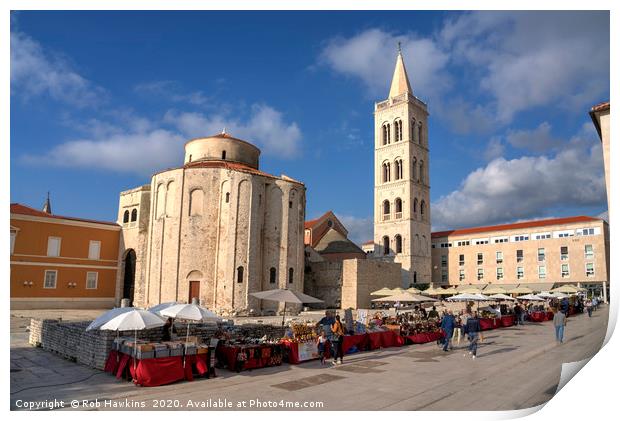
column 91, row 348
column 361, row 277
column 323, row 280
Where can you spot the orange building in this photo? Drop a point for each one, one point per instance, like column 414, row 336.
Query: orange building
column 61, row 262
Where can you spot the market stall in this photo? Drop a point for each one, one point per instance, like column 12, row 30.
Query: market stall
column 240, row 357
column 301, row 345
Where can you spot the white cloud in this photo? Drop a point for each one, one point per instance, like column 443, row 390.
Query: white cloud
column 536, row 140
column 171, row 91
column 371, row 56
column 360, row 229
column 526, row 187
column 495, row 149
column 265, row 127
column 35, row 72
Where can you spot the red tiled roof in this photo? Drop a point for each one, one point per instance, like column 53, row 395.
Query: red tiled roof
column 237, row 166
column 518, row 225
column 601, row 107
column 311, row 223
column 20, row 209
column 368, row 242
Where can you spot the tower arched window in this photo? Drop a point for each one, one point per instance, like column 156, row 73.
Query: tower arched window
column 384, row 136
column 415, row 206
column 134, row 215
column 396, row 170
column 291, row 272
column 386, row 210
column 223, row 154
column 413, row 130
column 398, row 243
column 272, row 275
column 240, row 274
column 398, row 208
column 422, row 172
column 414, row 167
column 399, row 170
column 422, row 208
column 398, row 130
column 420, row 133
column 125, row 217
column 386, row 172
column 389, row 134
column 386, row 245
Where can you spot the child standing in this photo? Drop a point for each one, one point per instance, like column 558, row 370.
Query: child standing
column 321, row 341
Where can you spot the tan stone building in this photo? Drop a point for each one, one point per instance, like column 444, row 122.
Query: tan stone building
column 217, row 228
column 402, row 230
column 600, row 117
column 544, row 253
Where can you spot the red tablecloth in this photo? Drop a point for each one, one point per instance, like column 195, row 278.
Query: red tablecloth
column 422, row 338
column 293, row 351
column 359, row 341
column 230, row 354
column 488, row 324
column 538, row 316
column 507, row 321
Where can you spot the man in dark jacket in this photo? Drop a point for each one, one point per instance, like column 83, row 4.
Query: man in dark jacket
column 474, row 333
column 448, row 323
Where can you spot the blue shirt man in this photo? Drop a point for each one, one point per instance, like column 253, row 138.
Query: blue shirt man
column 448, row 323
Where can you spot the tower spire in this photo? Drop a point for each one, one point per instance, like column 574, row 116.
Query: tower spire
column 47, row 207
column 400, row 80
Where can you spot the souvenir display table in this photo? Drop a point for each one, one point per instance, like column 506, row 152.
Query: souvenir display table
column 256, row 355
column 303, row 351
column 425, row 337
column 540, row 316
column 489, row 323
column 359, row 341
column 507, row 320
column 386, row 339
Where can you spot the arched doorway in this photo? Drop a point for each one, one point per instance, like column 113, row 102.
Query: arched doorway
column 194, row 278
column 129, row 277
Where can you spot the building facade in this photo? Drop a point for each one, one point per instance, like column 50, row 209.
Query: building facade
column 544, row 253
column 402, row 229
column 61, row 262
column 600, row 117
column 216, row 228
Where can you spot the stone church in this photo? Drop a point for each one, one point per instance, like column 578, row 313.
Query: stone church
column 216, row 228
column 402, row 227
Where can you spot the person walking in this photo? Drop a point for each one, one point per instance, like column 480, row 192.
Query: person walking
column 337, row 339
column 559, row 321
column 474, row 334
column 448, row 323
column 519, row 314
column 321, row 341
column 589, row 308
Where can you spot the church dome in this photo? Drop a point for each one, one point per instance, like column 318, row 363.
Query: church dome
column 221, row 147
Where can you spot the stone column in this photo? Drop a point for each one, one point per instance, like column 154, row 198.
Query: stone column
column 605, row 292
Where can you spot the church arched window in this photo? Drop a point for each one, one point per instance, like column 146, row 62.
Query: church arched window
column 415, row 207
column 421, row 172
column 386, row 172
column 413, row 130
column 291, row 272
column 384, row 134
column 126, row 217
column 272, row 275
column 420, row 133
column 134, row 215
column 398, row 130
column 223, row 154
column 422, row 209
column 398, row 243
column 398, row 208
column 389, row 134
column 386, row 245
column 414, row 169
column 240, row 274
column 386, row 210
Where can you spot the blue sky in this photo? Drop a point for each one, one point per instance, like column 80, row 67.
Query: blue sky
column 101, row 100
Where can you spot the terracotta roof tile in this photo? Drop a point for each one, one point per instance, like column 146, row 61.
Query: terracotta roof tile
column 514, row 226
column 601, row 107
column 20, row 209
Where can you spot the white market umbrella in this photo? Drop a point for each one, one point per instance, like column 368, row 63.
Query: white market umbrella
column 521, row 290
column 135, row 320
column 468, row 297
column 502, row 297
column 568, row 289
column 159, row 307
column 530, row 297
column 405, row 297
column 382, row 292
column 191, row 313
column 285, row 296
column 546, row 294
column 558, row 295
column 107, row 316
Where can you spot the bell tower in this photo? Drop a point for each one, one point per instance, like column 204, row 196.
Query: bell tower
column 402, row 228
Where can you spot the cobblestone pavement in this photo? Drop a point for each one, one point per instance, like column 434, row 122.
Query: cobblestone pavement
column 516, row 368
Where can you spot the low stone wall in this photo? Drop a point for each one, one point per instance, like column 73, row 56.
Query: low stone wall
column 71, row 340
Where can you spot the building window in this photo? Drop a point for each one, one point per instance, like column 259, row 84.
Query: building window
column 291, row 272
column 461, row 260
column 413, row 130
column 223, row 154
column 414, row 169
column 422, row 209
column 53, row 246
column 542, row 272
column 587, row 231
column 565, row 271
column 589, row 251
column 13, row 235
column 461, row 275
column 240, row 274
column 399, row 243
column 415, row 277
column 444, row 276
column 480, row 274
column 398, row 204
column 386, row 210
column 444, row 261
column 480, row 259
column 519, row 256
column 227, row 197
column 420, row 133
column 134, row 215
column 387, row 170
column 499, row 257
column 91, row 280
column 520, row 272
column 563, row 253
column 521, row 238
column 462, row 243
column 386, row 245
column 50, row 279
column 415, row 206
column 541, row 255
column 386, row 134
column 499, row 273
column 421, row 174
column 126, row 217
column 589, row 269
column 398, row 168
column 196, row 201
column 94, row 250
column 272, row 275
